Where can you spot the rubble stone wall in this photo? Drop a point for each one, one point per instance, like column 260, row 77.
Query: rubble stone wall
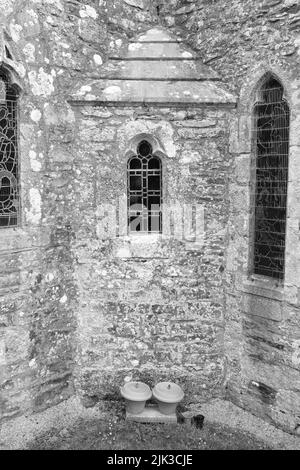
column 52, row 44
column 151, row 307
column 243, row 40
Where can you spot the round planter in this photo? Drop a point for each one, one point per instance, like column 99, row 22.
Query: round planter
column 135, row 407
column 136, row 394
column 168, row 395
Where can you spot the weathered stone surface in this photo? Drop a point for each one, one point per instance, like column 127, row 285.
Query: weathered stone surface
column 156, row 68
column 121, row 309
column 156, row 309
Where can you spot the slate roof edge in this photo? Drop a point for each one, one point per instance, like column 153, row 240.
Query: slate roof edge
column 163, row 104
column 143, row 79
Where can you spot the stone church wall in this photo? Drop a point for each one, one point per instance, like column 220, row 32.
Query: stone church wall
column 243, row 40
column 151, row 308
column 53, row 43
column 47, row 45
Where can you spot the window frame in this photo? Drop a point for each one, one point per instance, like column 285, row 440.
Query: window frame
column 9, row 78
column 144, row 190
column 270, row 280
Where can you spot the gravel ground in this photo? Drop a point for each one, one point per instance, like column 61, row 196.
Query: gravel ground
column 71, row 426
column 116, row 434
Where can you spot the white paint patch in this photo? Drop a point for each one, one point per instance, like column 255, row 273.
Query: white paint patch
column 63, row 299
column 20, row 69
column 54, row 115
column 186, row 54
column 35, row 115
column 84, row 89
column 123, row 253
column 134, row 47
column 296, row 353
column 119, row 42
column 6, row 6
column 41, row 82
column 112, row 91
column 190, row 157
column 34, row 163
column 29, row 52
column 49, row 277
column 69, row 115
column 15, row 30
column 34, row 215
column 256, row 384
column 33, row 14
column 88, row 11
column 98, row 59
column 32, row 363
column 2, row 353
column 66, row 55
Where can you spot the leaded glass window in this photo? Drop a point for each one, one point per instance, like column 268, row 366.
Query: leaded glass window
column 271, row 114
column 144, row 190
column 9, row 171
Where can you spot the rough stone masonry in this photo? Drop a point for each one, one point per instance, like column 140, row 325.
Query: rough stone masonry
column 80, row 313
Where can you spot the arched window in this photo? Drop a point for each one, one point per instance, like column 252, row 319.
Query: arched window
column 271, row 132
column 144, row 190
column 9, row 174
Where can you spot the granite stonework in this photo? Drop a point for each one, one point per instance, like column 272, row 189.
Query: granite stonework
column 81, row 312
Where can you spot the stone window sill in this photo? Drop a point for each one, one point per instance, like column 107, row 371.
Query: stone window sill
column 10, row 234
column 262, row 286
column 144, row 237
column 146, row 245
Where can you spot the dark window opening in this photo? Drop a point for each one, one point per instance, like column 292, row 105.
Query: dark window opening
column 9, row 171
column 270, row 197
column 144, row 191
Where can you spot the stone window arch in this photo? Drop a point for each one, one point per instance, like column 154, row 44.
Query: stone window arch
column 9, row 160
column 271, row 122
column 144, row 189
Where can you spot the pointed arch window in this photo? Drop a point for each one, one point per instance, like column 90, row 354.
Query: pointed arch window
column 9, row 167
column 144, row 200
column 271, row 136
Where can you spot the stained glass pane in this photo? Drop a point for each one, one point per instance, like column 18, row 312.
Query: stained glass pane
column 270, row 198
column 9, row 187
column 144, row 191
